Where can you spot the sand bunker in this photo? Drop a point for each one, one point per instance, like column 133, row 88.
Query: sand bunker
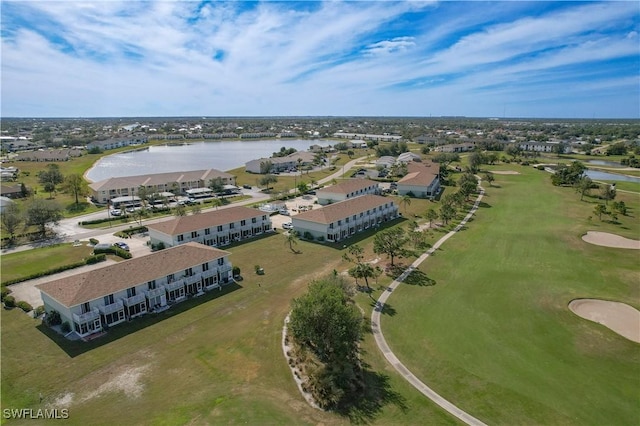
column 619, row 317
column 505, row 172
column 610, row 240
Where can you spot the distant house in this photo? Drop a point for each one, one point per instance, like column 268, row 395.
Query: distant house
column 542, row 146
column 368, row 137
column 114, row 143
column 385, row 161
column 174, row 182
column 212, row 228
column 341, row 220
column 49, row 155
column 407, row 157
column 346, row 189
column 4, row 202
column 104, row 297
column 280, row 164
column 12, row 191
column 456, row 147
column 422, row 180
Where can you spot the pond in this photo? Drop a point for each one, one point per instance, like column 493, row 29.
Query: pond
column 600, row 175
column 221, row 155
column 604, row 163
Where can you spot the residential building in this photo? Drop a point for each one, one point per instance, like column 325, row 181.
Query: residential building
column 280, row 164
column 407, row 157
column 175, row 182
column 212, row 228
column 346, row 189
column 368, row 137
column 422, row 180
column 104, row 297
column 114, row 143
column 343, row 219
column 456, row 147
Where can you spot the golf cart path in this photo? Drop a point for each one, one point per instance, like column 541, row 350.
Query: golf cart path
column 386, row 350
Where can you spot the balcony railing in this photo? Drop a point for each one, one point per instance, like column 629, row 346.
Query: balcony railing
column 159, row 291
column 134, row 300
column 87, row 316
column 192, row 280
column 113, row 307
column 174, row 285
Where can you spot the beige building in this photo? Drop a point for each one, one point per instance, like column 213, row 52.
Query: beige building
column 341, row 220
column 346, row 189
column 421, row 181
column 174, row 182
column 107, row 296
column 212, row 228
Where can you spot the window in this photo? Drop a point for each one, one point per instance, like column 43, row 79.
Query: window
column 231, row 225
column 219, row 228
column 354, row 217
column 254, row 220
column 264, row 217
column 331, row 226
column 108, row 300
column 346, row 220
column 188, row 272
column 180, row 237
column 339, row 222
column 194, row 234
column 170, row 278
column 86, row 307
column 151, row 285
column 205, row 267
column 221, row 261
column 207, row 231
column 131, row 292
column 243, row 222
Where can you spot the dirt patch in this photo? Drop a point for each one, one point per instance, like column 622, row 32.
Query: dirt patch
column 619, row 317
column 505, row 172
column 610, row 240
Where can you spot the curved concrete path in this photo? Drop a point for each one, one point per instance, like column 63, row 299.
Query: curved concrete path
column 386, row 350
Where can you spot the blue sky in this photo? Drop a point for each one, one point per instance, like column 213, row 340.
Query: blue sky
column 562, row 59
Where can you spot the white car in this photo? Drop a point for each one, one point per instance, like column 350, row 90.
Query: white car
column 287, row 225
column 116, row 212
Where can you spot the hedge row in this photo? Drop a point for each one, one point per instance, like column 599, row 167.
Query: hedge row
column 114, row 250
column 127, row 233
column 88, row 261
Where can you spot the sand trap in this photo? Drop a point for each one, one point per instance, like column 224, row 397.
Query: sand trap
column 610, row 240
column 619, row 317
column 505, row 172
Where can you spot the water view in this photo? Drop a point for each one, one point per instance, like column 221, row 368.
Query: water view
column 599, row 175
column 192, row 156
column 605, row 163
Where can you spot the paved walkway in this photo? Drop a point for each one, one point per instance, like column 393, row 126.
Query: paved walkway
column 386, row 350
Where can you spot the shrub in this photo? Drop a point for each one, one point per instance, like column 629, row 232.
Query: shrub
column 4, row 293
column 24, row 306
column 320, row 238
column 65, row 327
column 236, row 271
column 95, row 259
column 307, row 235
column 53, row 318
column 93, row 241
column 540, row 167
column 9, row 301
column 39, row 311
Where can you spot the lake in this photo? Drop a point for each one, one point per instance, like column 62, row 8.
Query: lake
column 599, row 175
column 604, row 163
column 220, row 155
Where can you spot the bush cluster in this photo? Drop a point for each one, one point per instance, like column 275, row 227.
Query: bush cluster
column 9, row 301
column 24, row 306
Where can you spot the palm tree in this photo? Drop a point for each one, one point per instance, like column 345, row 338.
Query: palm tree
column 291, row 238
column 431, row 215
column 406, row 200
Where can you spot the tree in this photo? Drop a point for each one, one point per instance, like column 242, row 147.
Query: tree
column 196, row 209
column 599, row 210
column 40, row 212
column 568, row 175
column 11, row 219
column 513, row 150
column 488, row 176
column 143, row 194
column 446, row 158
column 406, row 201
column 620, row 207
column 216, row 202
column 265, row 167
column 50, row 177
column 361, row 269
column 447, row 213
column 216, row 185
column 76, row 185
column 390, row 242
column 267, row 180
column 559, row 148
column 303, row 187
column 326, row 324
column 583, row 186
column 607, row 192
column 431, row 215
column 475, row 161
column 291, row 238
column 180, row 211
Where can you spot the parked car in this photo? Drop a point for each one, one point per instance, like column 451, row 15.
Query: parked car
column 245, row 186
column 116, row 212
column 122, row 245
column 287, row 225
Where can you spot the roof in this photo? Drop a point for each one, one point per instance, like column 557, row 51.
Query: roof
column 420, row 174
column 348, row 186
column 91, row 285
column 158, row 179
column 342, row 209
column 194, row 222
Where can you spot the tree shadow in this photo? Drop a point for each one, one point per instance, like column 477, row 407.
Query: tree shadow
column 364, row 405
column 417, row 277
column 383, row 308
column 482, row 204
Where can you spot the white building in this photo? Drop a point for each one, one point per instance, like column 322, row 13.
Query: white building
column 280, row 164
column 341, row 220
column 104, row 297
column 421, row 181
column 212, row 228
column 346, row 189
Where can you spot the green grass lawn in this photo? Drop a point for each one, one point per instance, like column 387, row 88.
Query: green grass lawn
column 25, row 263
column 494, row 333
